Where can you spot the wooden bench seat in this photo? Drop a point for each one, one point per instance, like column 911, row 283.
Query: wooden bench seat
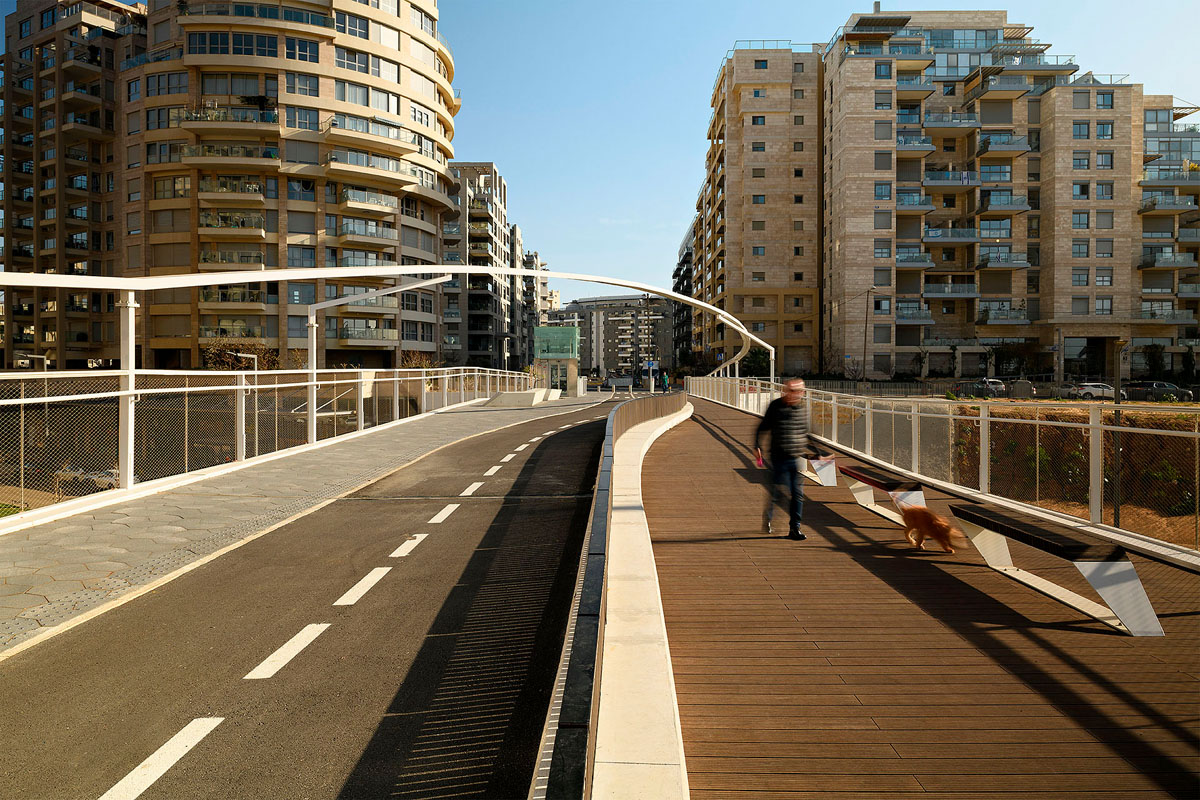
column 1103, row 564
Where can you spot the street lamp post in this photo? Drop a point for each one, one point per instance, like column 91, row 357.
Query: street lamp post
column 866, row 326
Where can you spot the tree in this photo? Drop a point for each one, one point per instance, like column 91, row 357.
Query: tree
column 416, row 359
column 756, row 364
column 219, row 354
column 1188, row 365
column 919, row 360
column 1153, row 354
column 853, row 370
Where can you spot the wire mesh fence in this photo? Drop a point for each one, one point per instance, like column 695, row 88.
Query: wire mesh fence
column 61, row 433
column 1134, row 467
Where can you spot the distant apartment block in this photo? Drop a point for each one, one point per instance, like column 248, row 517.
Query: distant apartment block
column 184, row 137
column 619, row 333
column 984, row 205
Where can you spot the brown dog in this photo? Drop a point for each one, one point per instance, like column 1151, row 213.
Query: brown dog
column 920, row 524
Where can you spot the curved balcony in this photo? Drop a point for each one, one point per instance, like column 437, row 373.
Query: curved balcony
column 235, row 121
column 228, row 260
column 359, row 132
column 451, row 232
column 355, row 233
column 354, row 166
column 364, row 337
column 233, row 299
column 226, row 190
column 364, row 201
column 256, row 15
column 232, row 225
column 225, row 156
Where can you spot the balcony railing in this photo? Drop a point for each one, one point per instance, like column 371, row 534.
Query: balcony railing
column 169, row 54
column 1005, row 141
column 452, row 229
column 965, row 177
column 907, row 82
column 228, row 151
column 1172, row 175
column 998, row 83
column 914, row 142
column 233, row 294
column 1189, row 235
column 360, row 125
column 1188, row 290
column 951, row 234
column 384, row 301
column 913, row 200
column 246, row 115
column 1172, row 260
column 1168, row 203
column 1165, row 315
column 238, row 332
column 913, row 258
column 370, row 198
column 913, row 314
column 230, row 186
column 372, row 334
column 998, row 259
column 230, row 257
column 373, row 231
column 372, row 161
column 951, row 289
column 232, row 219
column 937, row 119
column 1087, row 79
column 987, row 315
column 258, row 11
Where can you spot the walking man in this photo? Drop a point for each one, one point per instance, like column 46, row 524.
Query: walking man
column 786, row 420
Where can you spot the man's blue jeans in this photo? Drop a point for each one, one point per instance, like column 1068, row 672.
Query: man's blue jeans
column 786, row 471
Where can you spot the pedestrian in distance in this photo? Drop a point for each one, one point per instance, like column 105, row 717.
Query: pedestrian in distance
column 666, row 382
column 786, row 421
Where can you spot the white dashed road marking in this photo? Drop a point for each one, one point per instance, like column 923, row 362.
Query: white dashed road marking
column 522, row 447
column 408, row 547
column 445, row 512
column 362, row 587
column 283, row 655
column 509, row 457
column 492, row 471
column 535, row 439
column 470, row 490
column 153, row 768
column 549, row 433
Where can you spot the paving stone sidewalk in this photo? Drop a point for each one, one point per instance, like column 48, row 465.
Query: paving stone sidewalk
column 50, row 573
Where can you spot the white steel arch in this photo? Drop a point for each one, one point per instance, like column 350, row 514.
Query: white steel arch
column 129, row 286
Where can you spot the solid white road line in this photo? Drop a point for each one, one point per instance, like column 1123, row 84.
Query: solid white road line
column 408, row 547
column 492, row 471
column 522, row 447
column 445, row 512
column 153, row 768
column 509, row 457
column 470, row 490
column 283, row 655
column 362, row 587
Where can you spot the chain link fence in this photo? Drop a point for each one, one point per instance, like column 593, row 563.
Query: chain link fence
column 1134, row 467
column 61, row 437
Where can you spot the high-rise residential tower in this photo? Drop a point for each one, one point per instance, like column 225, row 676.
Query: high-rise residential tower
column 181, row 137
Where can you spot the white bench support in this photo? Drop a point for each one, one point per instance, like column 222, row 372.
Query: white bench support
column 864, row 495
column 1117, row 583
column 821, row 471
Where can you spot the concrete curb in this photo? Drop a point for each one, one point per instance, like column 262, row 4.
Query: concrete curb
column 639, row 739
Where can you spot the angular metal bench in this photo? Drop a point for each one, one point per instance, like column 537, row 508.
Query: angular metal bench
column 1105, row 565
column 821, row 471
column 865, row 480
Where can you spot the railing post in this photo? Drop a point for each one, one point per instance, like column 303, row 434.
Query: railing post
column 916, row 437
column 445, row 389
column 360, row 391
column 239, row 419
column 311, row 390
column 422, row 383
column 462, row 386
column 1095, row 467
column 126, row 428
column 833, row 436
column 985, row 447
column 869, row 442
column 395, row 396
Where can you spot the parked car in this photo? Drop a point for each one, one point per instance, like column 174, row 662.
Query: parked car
column 1155, row 390
column 1067, row 391
column 983, row 387
column 107, row 479
column 1090, row 391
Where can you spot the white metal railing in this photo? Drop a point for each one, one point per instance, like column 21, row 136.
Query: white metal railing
column 1134, row 467
column 63, row 434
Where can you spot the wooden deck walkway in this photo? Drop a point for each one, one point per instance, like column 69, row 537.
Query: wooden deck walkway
column 852, row 666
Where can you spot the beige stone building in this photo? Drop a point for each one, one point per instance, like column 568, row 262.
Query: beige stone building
column 988, row 206
column 195, row 136
column 757, row 248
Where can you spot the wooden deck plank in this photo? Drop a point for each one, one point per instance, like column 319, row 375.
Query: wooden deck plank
column 852, row 666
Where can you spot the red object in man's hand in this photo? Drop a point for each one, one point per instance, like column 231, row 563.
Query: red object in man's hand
column 758, row 459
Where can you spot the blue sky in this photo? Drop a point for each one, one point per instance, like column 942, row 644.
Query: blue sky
column 595, row 112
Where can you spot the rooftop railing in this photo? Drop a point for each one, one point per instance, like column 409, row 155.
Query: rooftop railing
column 258, row 11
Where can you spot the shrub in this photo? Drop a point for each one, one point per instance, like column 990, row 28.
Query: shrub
column 951, row 396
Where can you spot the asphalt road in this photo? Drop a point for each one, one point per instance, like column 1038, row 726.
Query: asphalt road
column 431, row 678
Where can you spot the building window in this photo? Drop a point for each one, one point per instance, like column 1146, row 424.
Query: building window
column 1079, row 191
column 947, row 90
column 995, row 173
column 1079, row 277
column 758, row 120
column 797, row 224
column 758, row 251
column 208, row 43
column 760, row 64
column 883, row 70
column 1104, row 219
column 883, row 220
column 798, row 250
column 49, row 17
column 1104, row 99
column 798, row 199
column 883, row 248
column 249, row 44
column 758, row 199
column 883, row 130
column 1081, row 99
column 883, row 305
column 1104, row 249
column 797, row 147
column 758, row 147
column 298, row 256
column 1104, row 275
column 350, row 24
column 1079, row 248
column 758, row 277
column 883, row 191
column 760, row 93
column 883, row 100
column 303, row 118
column 1079, row 220
column 302, row 50
column 1104, row 306
column 1079, row 306
column 798, row 66
column 883, row 334
column 299, row 189
column 758, row 172
column 1104, row 130
column 798, row 119
column 758, row 225
column 1080, row 129
column 797, row 94
column 166, row 117
column 26, row 28
column 169, row 83
column 1081, row 159
column 798, row 327
column 797, row 172
column 133, row 89
column 1104, row 159
column 798, row 276
column 301, row 84
column 883, row 159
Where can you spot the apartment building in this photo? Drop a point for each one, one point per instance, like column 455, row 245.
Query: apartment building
column 619, row 332
column 681, row 283
column 535, row 297
column 181, row 137
column 988, row 206
column 757, row 253
column 483, row 337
